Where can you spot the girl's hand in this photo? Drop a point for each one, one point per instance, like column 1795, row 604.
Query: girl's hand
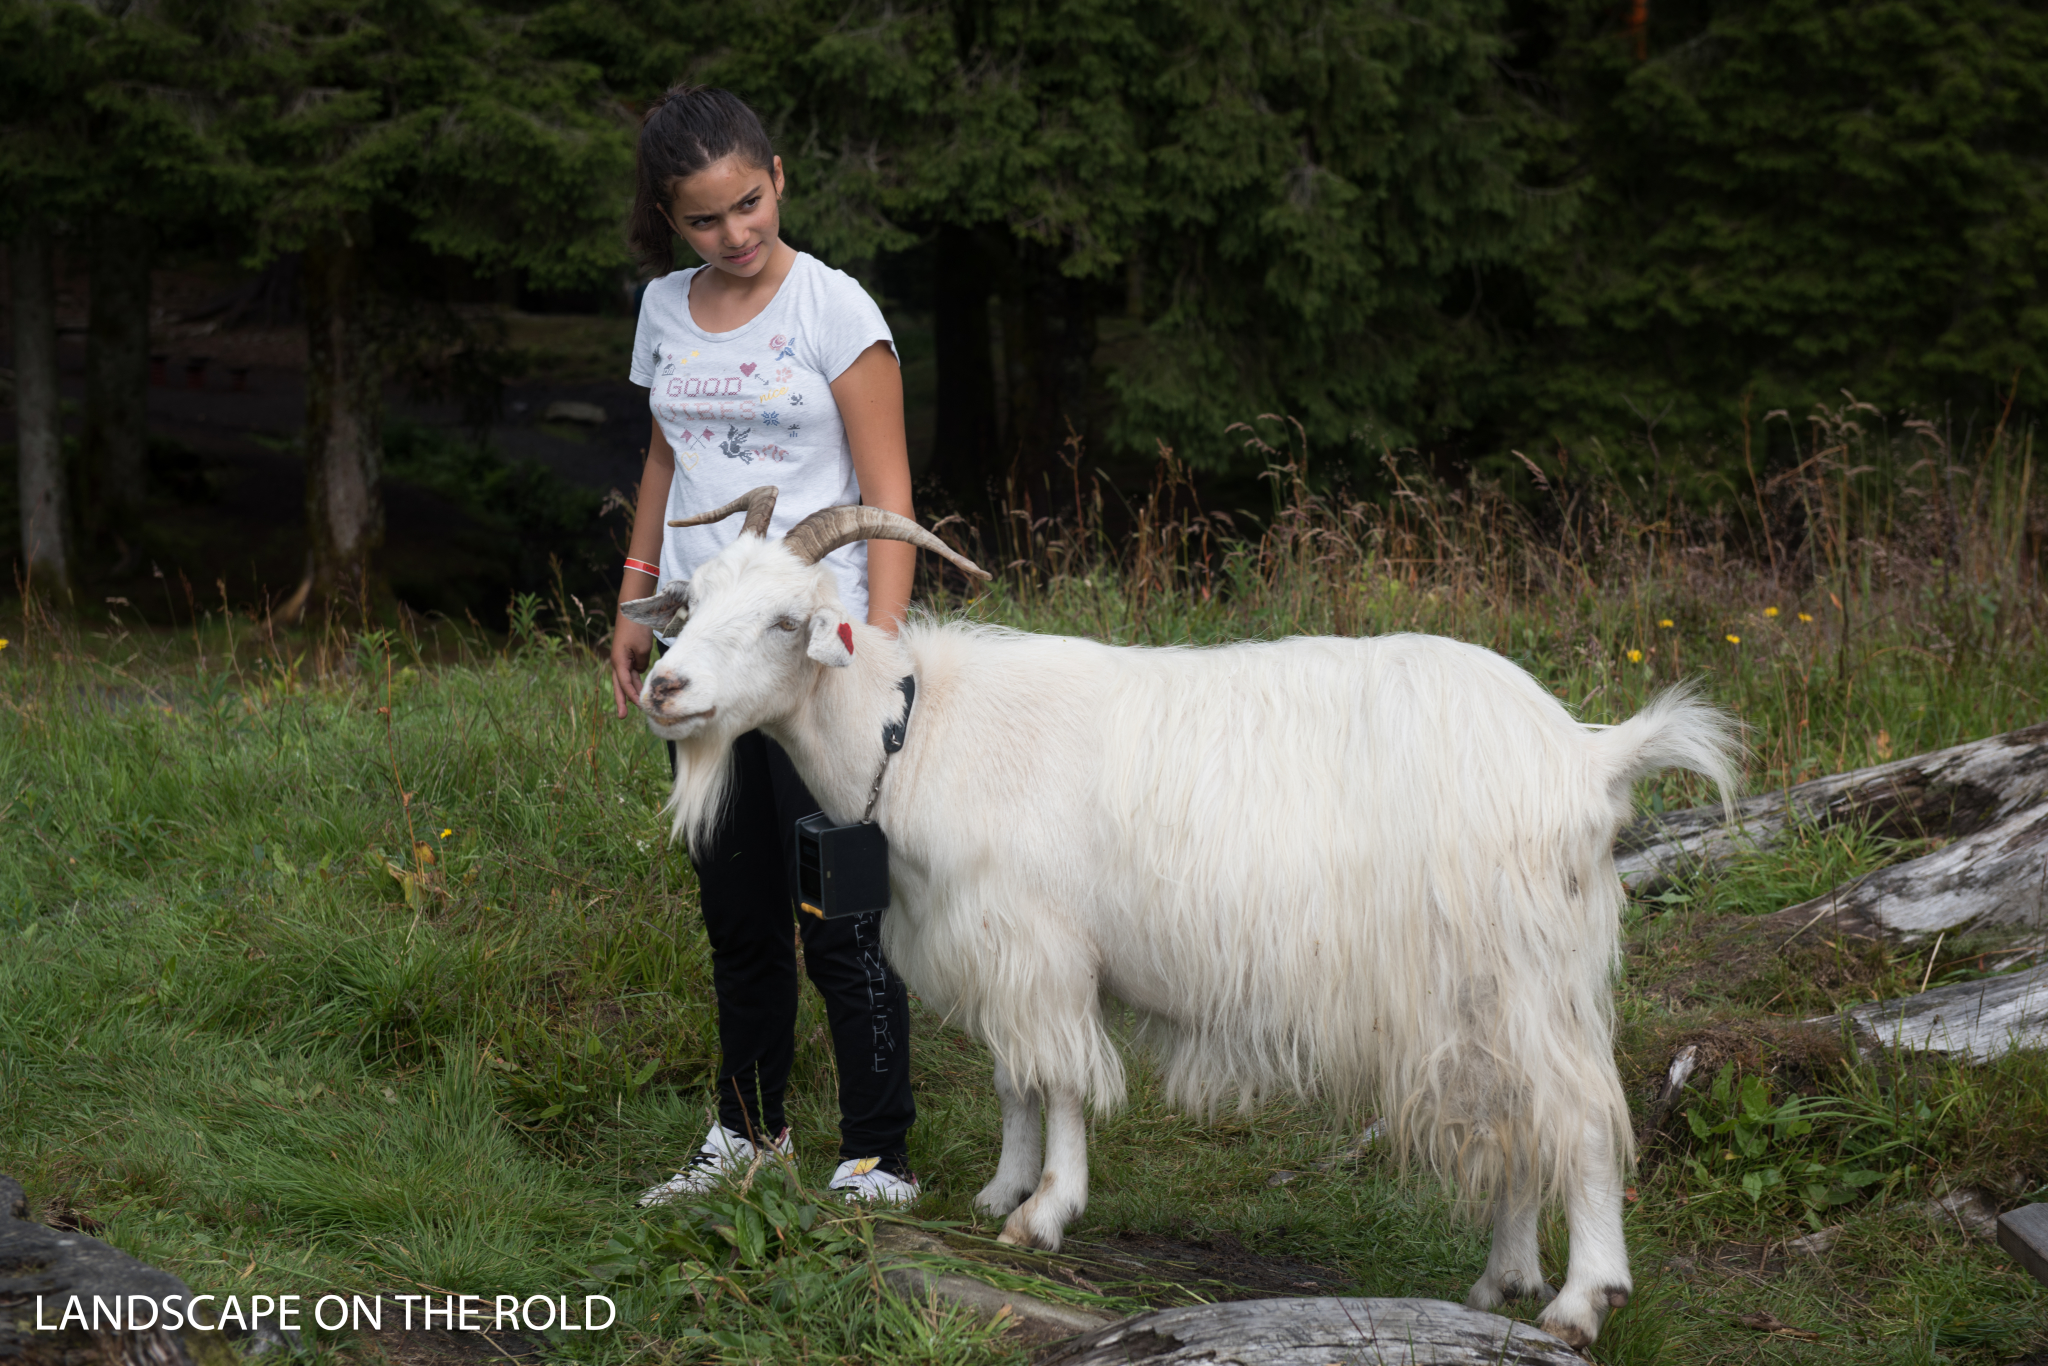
column 631, row 644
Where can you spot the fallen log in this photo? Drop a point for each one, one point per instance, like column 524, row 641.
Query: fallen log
column 1955, row 792
column 1978, row 1020
column 1316, row 1332
column 1985, row 881
column 43, row 1271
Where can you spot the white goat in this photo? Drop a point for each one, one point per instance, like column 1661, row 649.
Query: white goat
column 1378, row 868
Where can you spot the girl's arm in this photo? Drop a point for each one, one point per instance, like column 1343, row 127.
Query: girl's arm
column 632, row 642
column 870, row 399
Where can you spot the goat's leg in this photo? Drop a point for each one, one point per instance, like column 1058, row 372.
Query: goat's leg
column 1596, row 1278
column 1512, row 1268
column 1063, row 1186
column 1018, row 1170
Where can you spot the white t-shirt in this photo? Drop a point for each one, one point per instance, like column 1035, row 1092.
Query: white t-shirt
column 754, row 406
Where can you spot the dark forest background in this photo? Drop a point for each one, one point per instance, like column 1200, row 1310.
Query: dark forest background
column 1622, row 235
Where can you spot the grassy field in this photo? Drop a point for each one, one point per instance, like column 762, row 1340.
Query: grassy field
column 359, row 960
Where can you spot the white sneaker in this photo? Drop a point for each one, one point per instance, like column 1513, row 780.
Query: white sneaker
column 724, row 1154
column 862, row 1179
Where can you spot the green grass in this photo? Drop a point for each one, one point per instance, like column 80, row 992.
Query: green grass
column 361, row 961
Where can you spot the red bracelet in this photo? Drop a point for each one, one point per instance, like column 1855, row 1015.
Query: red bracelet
column 652, row 570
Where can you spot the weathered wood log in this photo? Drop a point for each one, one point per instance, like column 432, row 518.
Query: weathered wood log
column 1988, row 880
column 1317, row 1332
column 1976, row 1020
column 1956, row 792
column 42, row 1269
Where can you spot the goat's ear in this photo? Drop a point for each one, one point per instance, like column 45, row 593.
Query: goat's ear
column 664, row 611
column 831, row 638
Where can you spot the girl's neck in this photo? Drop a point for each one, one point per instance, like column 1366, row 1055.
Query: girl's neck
column 723, row 302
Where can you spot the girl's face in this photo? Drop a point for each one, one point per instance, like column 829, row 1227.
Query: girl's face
column 728, row 214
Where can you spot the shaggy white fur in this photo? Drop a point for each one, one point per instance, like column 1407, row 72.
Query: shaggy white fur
column 1376, row 869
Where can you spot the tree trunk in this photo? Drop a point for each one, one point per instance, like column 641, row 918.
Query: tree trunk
column 45, row 518
column 964, row 442
column 1049, row 333
column 113, row 455
column 344, row 437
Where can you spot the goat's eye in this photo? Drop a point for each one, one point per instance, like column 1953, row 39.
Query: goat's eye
column 785, row 624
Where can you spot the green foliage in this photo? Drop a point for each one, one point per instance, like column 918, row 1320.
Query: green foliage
column 1272, row 206
column 1437, row 222
column 783, row 1274
column 110, row 111
column 757, row 1251
column 524, row 530
column 1763, row 1156
column 1805, row 1156
column 1790, row 198
column 438, row 117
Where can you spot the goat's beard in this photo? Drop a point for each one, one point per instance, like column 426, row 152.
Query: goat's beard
column 702, row 788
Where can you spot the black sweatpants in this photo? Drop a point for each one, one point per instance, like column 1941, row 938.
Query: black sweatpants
column 749, row 905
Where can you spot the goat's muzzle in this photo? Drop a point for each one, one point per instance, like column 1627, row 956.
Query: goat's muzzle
column 662, row 687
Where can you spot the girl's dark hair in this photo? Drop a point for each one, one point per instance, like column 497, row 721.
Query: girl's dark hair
column 687, row 129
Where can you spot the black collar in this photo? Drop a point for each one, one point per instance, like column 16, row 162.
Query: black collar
column 892, row 740
column 892, row 732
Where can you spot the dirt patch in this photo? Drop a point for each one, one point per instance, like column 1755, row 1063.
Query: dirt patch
column 421, row 1346
column 1687, row 961
column 1167, row 1271
column 58, row 1212
column 1799, row 1058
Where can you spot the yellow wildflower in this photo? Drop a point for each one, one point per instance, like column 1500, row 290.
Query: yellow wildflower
column 3, row 642
column 1806, row 616
column 1770, row 611
column 1635, row 656
column 1734, row 640
column 446, row 833
column 1665, row 624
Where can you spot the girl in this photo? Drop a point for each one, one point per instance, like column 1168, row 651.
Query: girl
column 765, row 366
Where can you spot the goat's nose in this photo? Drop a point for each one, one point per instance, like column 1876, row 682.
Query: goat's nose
column 664, row 686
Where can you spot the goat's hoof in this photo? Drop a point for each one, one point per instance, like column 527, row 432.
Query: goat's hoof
column 1576, row 1323
column 1570, row 1334
column 1021, row 1236
column 1021, row 1231
column 1575, row 1313
column 996, row 1203
column 1488, row 1294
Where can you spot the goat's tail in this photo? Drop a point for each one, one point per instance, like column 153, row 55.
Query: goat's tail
column 1676, row 730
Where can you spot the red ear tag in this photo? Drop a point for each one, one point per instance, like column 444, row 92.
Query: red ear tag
column 846, row 636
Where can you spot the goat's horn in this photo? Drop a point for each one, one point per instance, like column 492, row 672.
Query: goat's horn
column 825, row 530
column 759, row 504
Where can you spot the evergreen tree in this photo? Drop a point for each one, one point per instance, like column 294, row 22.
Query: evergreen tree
column 150, row 120
column 1786, row 199
column 383, row 129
